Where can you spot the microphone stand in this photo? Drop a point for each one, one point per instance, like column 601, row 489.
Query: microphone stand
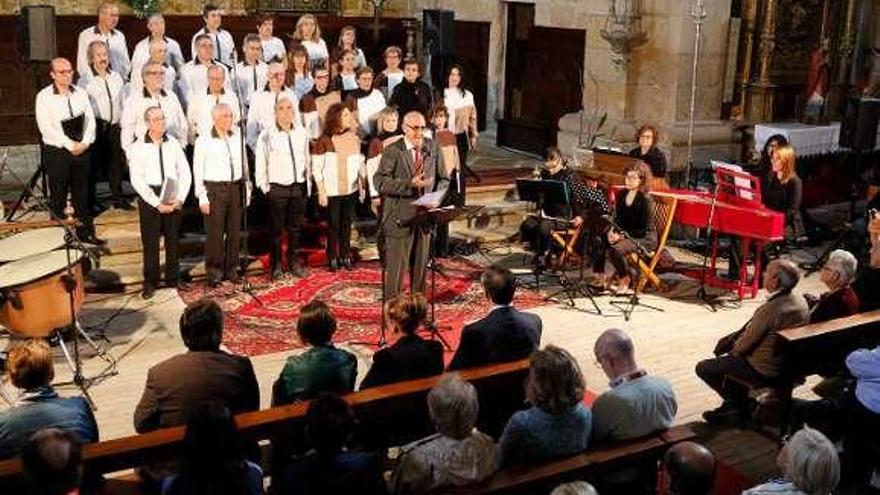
column 704, row 296
column 641, row 253
column 246, row 286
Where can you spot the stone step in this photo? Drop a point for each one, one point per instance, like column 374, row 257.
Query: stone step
column 477, row 195
column 493, row 215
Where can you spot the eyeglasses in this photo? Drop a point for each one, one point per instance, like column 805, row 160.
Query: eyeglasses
column 278, row 75
column 416, row 127
column 324, row 76
column 155, row 72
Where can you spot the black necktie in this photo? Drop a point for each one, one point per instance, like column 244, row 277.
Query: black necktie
column 161, row 164
column 217, row 44
column 109, row 99
column 255, row 78
column 292, row 159
column 231, row 164
column 69, row 105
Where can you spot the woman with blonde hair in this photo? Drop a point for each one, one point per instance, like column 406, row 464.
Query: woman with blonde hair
column 308, row 34
column 348, row 41
column 782, row 189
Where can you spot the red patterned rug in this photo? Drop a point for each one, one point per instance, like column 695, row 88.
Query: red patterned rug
column 254, row 329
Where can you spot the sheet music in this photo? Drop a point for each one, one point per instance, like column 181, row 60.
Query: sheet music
column 168, row 194
column 431, row 199
column 744, row 185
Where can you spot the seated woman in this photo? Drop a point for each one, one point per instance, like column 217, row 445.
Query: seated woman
column 457, row 454
column 809, row 465
column 558, row 423
column 648, row 152
column 329, row 467
column 213, row 457
column 762, row 168
column 411, row 356
column 322, row 367
column 841, row 300
column 632, row 212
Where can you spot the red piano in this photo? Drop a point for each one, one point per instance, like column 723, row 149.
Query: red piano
column 738, row 211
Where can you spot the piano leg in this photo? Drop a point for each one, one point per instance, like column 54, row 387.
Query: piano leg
column 744, row 268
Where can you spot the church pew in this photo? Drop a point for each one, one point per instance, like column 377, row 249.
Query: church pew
column 503, row 380
column 541, row 478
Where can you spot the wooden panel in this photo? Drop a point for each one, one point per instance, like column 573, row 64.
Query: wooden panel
column 472, row 53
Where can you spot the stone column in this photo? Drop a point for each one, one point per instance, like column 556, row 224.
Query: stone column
column 747, row 49
column 759, row 105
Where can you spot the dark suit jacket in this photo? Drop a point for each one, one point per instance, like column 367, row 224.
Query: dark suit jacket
column 409, row 358
column 394, row 177
column 505, row 334
column 176, row 386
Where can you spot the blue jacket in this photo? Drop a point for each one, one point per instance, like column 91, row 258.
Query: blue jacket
column 43, row 408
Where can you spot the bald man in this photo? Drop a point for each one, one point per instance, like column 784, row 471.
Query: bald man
column 690, row 469
column 408, row 168
column 750, row 354
column 52, row 462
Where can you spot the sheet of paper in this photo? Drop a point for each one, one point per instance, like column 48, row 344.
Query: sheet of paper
column 431, row 199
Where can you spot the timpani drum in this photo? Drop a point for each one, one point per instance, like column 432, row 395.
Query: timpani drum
column 35, row 298
column 30, row 242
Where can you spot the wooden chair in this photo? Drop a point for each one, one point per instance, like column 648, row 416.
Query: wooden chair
column 662, row 214
column 567, row 240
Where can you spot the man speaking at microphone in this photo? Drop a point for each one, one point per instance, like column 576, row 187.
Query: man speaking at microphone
column 408, row 169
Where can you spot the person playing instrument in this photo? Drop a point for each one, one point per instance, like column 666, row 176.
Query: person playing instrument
column 67, row 129
column 536, row 230
column 648, row 152
column 283, row 172
column 632, row 210
column 219, row 168
column 339, row 171
column 157, row 164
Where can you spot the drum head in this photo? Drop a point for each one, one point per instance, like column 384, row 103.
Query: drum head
column 35, row 267
column 30, row 242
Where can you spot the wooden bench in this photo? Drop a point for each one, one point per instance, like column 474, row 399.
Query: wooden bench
column 541, row 478
column 500, row 388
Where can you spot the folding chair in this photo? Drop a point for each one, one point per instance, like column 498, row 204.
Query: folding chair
column 567, row 240
column 662, row 214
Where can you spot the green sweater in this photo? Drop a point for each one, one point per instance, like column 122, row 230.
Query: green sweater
column 322, row 368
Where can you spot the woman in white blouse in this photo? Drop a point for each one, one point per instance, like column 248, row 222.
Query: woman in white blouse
column 339, row 172
column 348, row 41
column 308, row 34
column 462, row 112
column 299, row 76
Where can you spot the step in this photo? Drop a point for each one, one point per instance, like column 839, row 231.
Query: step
column 492, row 216
column 477, row 195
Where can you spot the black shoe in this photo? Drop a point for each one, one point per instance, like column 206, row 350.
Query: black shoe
column 346, row 263
column 148, row 292
column 727, row 413
column 276, row 273
column 297, row 270
column 333, row 265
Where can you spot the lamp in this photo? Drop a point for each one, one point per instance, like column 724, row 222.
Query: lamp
column 623, row 29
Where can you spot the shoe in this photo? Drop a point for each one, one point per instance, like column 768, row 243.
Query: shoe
column 726, row 413
column 148, row 292
column 622, row 285
column 346, row 263
column 297, row 270
column 333, row 265
column 276, row 273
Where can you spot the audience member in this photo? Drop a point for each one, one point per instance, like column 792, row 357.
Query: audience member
column 751, row 354
column 457, row 454
column 841, row 300
column 809, row 466
column 322, row 367
column 329, row 467
column 574, row 488
column 205, row 373
column 52, row 462
column 213, row 458
column 30, row 369
column 689, row 469
column 637, row 403
column 505, row 334
column 558, row 423
column 411, row 356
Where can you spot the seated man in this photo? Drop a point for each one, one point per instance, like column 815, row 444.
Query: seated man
column 505, row 334
column 52, row 462
column 750, row 354
column 177, row 386
column 841, row 300
column 690, row 469
column 30, row 369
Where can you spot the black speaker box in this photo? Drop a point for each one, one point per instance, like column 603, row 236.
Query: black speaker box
column 37, row 27
column 858, row 130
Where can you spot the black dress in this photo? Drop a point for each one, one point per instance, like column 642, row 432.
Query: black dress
column 409, row 358
column 654, row 158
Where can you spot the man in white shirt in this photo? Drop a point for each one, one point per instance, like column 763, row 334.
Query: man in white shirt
column 105, row 30
column 158, row 54
column 252, row 73
column 261, row 113
column 282, row 172
column 273, row 48
column 160, row 174
column 141, row 53
column 194, row 74
column 104, row 88
column 67, row 127
column 220, row 172
column 200, row 108
column 133, row 125
column 223, row 44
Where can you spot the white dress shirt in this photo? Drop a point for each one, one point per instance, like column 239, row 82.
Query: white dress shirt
column 272, row 48
column 200, row 116
column 105, row 95
column 282, row 157
column 261, row 113
column 119, row 60
column 151, row 163
column 133, row 124
column 194, row 80
column 251, row 78
column 52, row 108
column 141, row 54
column 224, row 45
column 318, row 54
column 137, row 80
column 218, row 159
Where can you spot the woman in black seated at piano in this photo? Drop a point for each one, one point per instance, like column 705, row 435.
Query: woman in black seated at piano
column 536, row 230
column 632, row 212
column 648, row 152
column 763, row 167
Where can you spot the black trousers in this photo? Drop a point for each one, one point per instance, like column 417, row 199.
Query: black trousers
column 340, row 213
column 461, row 141
column 713, row 372
column 287, row 209
column 69, row 174
column 106, row 156
column 536, row 231
column 223, row 229
column 619, row 254
column 154, row 225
